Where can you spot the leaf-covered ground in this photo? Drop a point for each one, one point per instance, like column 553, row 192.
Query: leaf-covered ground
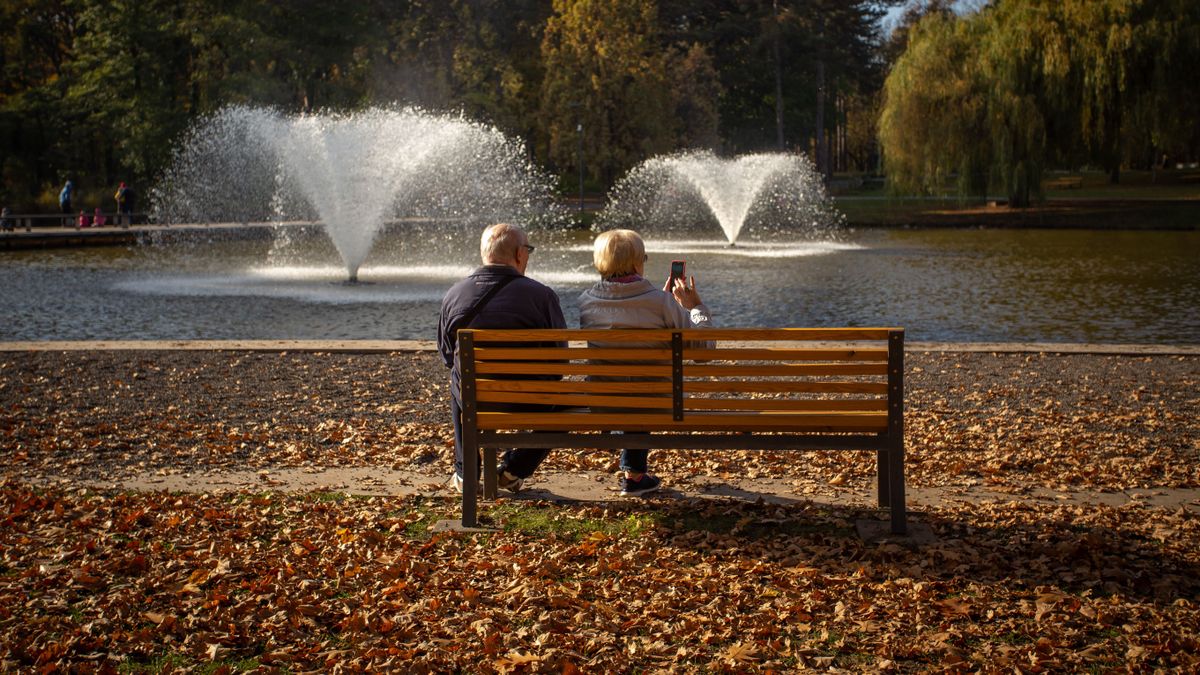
column 1009, row 421
column 152, row 582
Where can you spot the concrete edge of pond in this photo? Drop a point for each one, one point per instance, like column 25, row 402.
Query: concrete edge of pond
column 384, row 346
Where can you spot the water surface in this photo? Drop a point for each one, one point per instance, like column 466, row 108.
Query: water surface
column 944, row 285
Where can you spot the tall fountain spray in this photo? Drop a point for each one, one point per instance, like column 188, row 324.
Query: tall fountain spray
column 782, row 191
column 351, row 172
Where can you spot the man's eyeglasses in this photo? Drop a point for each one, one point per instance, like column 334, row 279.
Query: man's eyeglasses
column 528, row 247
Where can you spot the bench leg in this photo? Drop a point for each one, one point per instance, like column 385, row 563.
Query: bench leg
column 489, row 473
column 883, row 478
column 470, row 500
column 896, row 485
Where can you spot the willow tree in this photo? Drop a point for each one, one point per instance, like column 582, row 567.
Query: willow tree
column 1060, row 81
column 933, row 129
column 1134, row 83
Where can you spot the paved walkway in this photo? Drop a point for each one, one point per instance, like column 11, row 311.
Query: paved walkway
column 594, row 486
column 377, row 346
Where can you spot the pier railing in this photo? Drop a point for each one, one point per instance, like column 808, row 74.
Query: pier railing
column 30, row 221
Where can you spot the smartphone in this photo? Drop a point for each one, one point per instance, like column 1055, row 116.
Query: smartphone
column 677, row 271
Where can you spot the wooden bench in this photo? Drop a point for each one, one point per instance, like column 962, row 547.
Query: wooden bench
column 766, row 389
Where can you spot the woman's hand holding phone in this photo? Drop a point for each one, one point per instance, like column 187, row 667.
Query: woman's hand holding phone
column 677, row 285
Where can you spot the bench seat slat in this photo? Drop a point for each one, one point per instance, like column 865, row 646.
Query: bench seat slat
column 690, row 386
column 683, row 440
column 784, row 354
column 626, row 370
column 689, row 370
column 567, row 353
column 785, row 370
column 740, row 421
column 784, row 387
column 689, row 403
column 481, row 336
column 638, row 353
column 573, row 386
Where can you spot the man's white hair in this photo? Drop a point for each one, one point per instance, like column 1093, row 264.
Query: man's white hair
column 500, row 242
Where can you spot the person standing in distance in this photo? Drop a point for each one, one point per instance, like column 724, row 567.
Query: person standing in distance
column 497, row 295
column 64, row 201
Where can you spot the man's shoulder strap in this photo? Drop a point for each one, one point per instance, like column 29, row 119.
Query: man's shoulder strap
column 485, row 299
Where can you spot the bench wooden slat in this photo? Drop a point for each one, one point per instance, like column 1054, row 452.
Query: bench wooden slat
column 714, row 387
column 813, row 405
column 576, row 353
column 689, row 403
column 664, row 354
column 536, row 368
column 762, row 421
column 784, row 354
column 664, row 369
column 786, row 386
column 574, row 386
column 481, row 336
column 576, row 400
column 785, row 370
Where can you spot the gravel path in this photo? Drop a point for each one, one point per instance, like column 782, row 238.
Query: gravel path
column 1008, row 422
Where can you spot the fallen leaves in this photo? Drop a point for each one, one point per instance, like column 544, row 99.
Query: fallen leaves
column 1050, row 587
column 149, row 581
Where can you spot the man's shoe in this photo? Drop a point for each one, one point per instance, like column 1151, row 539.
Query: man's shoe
column 458, row 484
column 507, row 481
column 641, row 486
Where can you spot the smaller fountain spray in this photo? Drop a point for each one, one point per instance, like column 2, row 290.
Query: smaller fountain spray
column 681, row 190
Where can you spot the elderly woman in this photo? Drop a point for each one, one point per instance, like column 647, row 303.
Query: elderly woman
column 624, row 299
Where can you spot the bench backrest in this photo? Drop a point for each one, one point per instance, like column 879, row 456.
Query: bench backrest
column 771, row 380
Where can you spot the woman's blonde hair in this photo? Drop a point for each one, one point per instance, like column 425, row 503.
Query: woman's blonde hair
column 618, row 252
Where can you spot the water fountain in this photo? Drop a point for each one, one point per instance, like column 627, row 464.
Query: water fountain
column 777, row 191
column 353, row 173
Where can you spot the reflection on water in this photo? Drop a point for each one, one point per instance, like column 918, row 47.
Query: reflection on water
column 960, row 285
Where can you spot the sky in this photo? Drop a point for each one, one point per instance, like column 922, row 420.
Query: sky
column 893, row 16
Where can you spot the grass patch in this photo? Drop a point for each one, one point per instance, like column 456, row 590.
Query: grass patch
column 159, row 664
column 753, row 528
column 550, row 521
column 174, row 661
column 324, row 497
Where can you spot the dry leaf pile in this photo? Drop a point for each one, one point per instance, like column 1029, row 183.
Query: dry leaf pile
column 150, row 582
column 1006, row 421
column 97, row 581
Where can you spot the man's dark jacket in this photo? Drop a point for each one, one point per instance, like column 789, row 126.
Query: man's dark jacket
column 523, row 303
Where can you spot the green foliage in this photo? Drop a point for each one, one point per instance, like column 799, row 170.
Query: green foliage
column 606, row 74
column 1025, row 84
column 934, row 120
column 99, row 92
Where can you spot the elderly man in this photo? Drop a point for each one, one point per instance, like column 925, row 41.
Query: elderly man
column 497, row 295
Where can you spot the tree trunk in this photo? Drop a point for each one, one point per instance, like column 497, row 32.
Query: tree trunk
column 1018, row 192
column 822, row 142
column 1114, row 142
column 775, row 48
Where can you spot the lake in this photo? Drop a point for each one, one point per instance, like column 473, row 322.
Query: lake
column 964, row 285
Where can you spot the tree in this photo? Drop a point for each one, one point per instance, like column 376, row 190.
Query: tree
column 478, row 56
column 35, row 51
column 783, row 64
column 1057, row 81
column 606, row 78
column 934, row 123
column 696, row 91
